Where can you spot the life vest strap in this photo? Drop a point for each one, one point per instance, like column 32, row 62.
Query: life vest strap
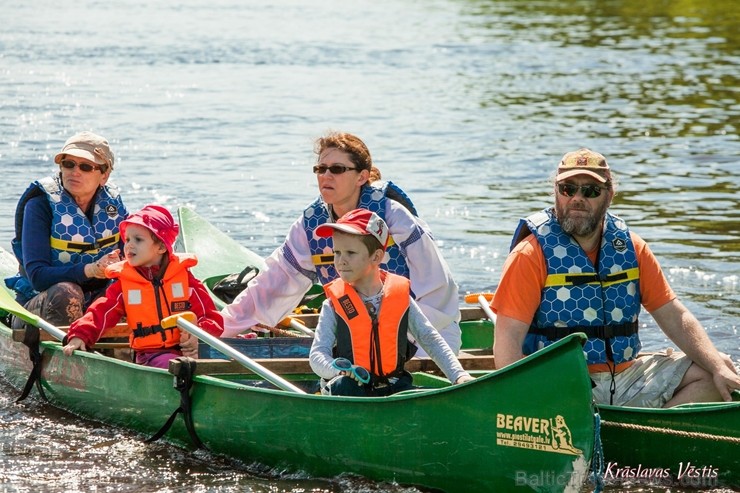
column 592, row 277
column 328, row 258
column 147, row 331
column 323, row 259
column 593, row 332
column 82, row 247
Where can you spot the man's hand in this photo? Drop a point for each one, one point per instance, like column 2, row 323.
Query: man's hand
column 727, row 379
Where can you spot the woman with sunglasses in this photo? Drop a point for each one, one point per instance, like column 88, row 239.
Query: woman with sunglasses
column 66, row 232
column 577, row 268
column 347, row 180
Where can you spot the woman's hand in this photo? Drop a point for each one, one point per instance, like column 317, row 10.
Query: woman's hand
column 97, row 269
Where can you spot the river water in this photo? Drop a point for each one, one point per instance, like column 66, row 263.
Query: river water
column 467, row 105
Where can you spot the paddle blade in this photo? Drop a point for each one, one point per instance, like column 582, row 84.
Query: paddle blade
column 8, row 303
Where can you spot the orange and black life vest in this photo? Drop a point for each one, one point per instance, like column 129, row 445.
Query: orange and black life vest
column 147, row 302
column 379, row 344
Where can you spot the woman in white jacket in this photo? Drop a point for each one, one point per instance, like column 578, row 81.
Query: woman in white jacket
column 348, row 180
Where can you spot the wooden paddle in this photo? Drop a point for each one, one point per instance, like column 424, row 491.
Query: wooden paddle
column 8, row 303
column 224, row 348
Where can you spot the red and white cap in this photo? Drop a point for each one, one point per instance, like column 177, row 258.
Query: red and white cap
column 358, row 222
column 156, row 219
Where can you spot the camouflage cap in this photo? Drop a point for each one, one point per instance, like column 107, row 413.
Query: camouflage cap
column 584, row 162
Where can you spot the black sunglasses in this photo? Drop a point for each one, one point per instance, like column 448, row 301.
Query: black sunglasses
column 86, row 167
column 334, row 169
column 588, row 191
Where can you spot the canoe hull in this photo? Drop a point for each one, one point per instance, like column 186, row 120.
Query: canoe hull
column 479, row 436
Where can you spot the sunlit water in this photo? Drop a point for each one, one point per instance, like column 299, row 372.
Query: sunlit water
column 467, row 105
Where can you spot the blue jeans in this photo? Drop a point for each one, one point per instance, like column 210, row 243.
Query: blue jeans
column 347, row 386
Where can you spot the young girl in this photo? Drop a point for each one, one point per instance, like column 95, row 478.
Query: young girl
column 151, row 284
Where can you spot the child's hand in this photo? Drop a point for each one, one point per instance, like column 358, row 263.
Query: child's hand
column 188, row 345
column 114, row 256
column 111, row 258
column 353, row 376
column 464, row 378
column 73, row 344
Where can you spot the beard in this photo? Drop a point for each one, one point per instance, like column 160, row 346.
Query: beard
column 581, row 226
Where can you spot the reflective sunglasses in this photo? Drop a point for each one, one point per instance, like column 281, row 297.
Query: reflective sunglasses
column 85, row 167
column 343, row 364
column 334, row 169
column 588, row 191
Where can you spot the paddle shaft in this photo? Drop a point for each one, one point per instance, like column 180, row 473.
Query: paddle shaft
column 8, row 303
column 246, row 361
column 486, row 308
column 299, row 326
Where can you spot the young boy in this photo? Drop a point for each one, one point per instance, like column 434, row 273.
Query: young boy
column 152, row 284
column 368, row 315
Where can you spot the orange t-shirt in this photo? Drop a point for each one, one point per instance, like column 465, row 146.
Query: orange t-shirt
column 525, row 271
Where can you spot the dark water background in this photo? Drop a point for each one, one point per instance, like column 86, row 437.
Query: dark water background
column 468, row 105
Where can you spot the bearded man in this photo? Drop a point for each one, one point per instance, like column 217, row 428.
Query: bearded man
column 575, row 267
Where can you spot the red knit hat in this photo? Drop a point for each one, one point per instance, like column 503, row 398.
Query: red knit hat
column 156, row 219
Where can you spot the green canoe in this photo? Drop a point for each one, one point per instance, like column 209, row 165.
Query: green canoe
column 695, row 446
column 485, row 435
column 688, row 446
column 220, row 255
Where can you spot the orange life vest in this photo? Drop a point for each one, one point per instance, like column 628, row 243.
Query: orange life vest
column 148, row 302
column 380, row 345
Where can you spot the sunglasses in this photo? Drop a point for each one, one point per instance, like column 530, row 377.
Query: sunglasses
column 334, row 169
column 588, row 191
column 85, row 167
column 360, row 373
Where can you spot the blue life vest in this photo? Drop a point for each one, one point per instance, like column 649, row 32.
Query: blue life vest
column 372, row 197
column 73, row 238
column 603, row 303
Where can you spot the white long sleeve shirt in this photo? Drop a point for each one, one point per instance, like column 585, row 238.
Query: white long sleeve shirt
column 419, row 328
column 290, row 272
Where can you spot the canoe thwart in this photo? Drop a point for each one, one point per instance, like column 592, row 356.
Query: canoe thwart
column 119, row 331
column 287, row 366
